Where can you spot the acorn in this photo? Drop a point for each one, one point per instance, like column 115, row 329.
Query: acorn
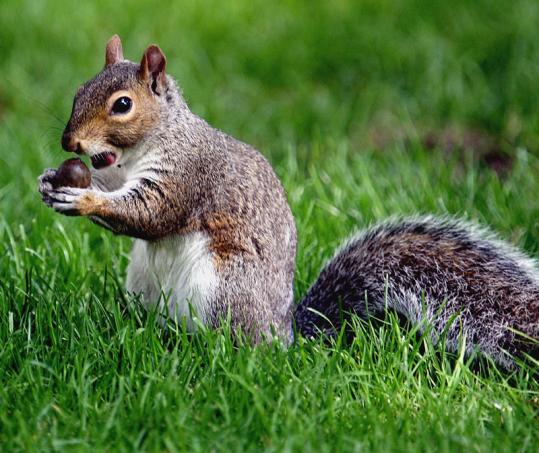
column 72, row 173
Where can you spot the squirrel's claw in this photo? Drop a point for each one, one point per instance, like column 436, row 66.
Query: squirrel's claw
column 44, row 181
column 65, row 200
column 45, row 185
column 68, row 193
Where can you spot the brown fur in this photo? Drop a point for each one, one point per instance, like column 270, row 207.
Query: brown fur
column 225, row 243
column 114, row 131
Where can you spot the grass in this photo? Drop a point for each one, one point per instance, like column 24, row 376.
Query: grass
column 83, row 368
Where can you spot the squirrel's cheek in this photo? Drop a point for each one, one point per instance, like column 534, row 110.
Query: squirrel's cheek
column 126, row 137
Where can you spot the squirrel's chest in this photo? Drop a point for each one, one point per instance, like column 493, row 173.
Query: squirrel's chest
column 177, row 273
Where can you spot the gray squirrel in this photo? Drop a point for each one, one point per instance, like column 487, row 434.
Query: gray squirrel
column 215, row 238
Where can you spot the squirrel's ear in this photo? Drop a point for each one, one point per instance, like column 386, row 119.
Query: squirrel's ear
column 114, row 52
column 152, row 68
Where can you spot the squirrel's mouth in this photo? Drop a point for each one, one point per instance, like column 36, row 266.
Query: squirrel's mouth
column 103, row 160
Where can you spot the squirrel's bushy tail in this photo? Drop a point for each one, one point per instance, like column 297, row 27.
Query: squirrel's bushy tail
column 454, row 276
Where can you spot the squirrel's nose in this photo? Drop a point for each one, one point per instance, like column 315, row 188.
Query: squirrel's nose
column 70, row 143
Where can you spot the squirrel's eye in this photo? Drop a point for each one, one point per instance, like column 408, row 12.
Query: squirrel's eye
column 122, row 105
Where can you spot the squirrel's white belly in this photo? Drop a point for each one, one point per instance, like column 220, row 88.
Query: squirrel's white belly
column 177, row 274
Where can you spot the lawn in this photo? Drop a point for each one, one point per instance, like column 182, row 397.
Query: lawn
column 366, row 109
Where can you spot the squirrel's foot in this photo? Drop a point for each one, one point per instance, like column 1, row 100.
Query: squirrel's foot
column 72, row 200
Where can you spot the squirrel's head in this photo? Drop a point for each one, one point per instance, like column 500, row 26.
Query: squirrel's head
column 116, row 109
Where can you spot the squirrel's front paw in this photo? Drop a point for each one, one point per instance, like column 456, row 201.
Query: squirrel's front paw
column 72, row 200
column 45, row 181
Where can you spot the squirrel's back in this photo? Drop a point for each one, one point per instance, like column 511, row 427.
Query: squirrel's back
column 456, row 277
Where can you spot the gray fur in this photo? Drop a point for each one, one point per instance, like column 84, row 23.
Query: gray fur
column 198, row 179
column 442, row 273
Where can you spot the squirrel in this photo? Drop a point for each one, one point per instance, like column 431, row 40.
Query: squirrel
column 215, row 238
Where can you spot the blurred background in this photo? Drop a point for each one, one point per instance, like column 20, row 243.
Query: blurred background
column 410, row 84
column 372, row 71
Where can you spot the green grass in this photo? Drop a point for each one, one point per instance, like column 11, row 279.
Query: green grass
column 83, row 368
